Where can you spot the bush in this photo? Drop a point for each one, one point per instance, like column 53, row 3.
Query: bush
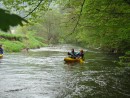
column 15, row 42
column 127, row 53
column 12, row 46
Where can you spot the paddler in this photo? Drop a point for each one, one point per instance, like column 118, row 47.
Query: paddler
column 1, row 49
column 72, row 54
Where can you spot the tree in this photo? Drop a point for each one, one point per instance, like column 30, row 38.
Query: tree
column 21, row 7
column 102, row 22
column 51, row 24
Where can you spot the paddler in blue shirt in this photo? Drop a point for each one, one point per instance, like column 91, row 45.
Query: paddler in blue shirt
column 72, row 54
column 1, row 49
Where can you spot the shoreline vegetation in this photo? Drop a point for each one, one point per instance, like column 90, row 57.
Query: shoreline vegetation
column 20, row 43
column 17, row 43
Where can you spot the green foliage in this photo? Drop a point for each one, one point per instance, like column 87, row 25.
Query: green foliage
column 127, row 53
column 125, row 60
column 26, row 8
column 48, row 27
column 20, row 42
column 12, row 46
column 33, row 41
column 103, row 23
column 7, row 20
column 11, row 37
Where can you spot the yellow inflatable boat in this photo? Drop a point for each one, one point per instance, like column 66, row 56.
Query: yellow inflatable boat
column 68, row 59
column 1, row 55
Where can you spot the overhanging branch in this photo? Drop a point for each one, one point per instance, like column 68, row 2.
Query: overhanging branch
column 79, row 17
column 34, row 9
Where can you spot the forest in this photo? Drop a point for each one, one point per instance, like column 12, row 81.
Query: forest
column 98, row 24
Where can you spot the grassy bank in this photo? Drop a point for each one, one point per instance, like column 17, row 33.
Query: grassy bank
column 15, row 43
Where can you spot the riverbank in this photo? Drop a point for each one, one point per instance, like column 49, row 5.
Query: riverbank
column 16, row 43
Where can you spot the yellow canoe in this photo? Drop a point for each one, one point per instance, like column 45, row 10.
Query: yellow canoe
column 68, row 59
column 1, row 56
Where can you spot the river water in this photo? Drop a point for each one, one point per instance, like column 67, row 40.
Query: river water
column 42, row 73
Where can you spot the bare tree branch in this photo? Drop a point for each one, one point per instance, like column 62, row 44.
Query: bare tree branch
column 34, row 9
column 76, row 22
column 79, row 17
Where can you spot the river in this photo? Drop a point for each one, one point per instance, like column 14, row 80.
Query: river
column 42, row 73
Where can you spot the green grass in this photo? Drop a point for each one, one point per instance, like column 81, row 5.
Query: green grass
column 12, row 46
column 15, row 45
column 11, row 36
column 34, row 43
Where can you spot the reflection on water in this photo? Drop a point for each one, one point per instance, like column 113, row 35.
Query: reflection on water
column 41, row 73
